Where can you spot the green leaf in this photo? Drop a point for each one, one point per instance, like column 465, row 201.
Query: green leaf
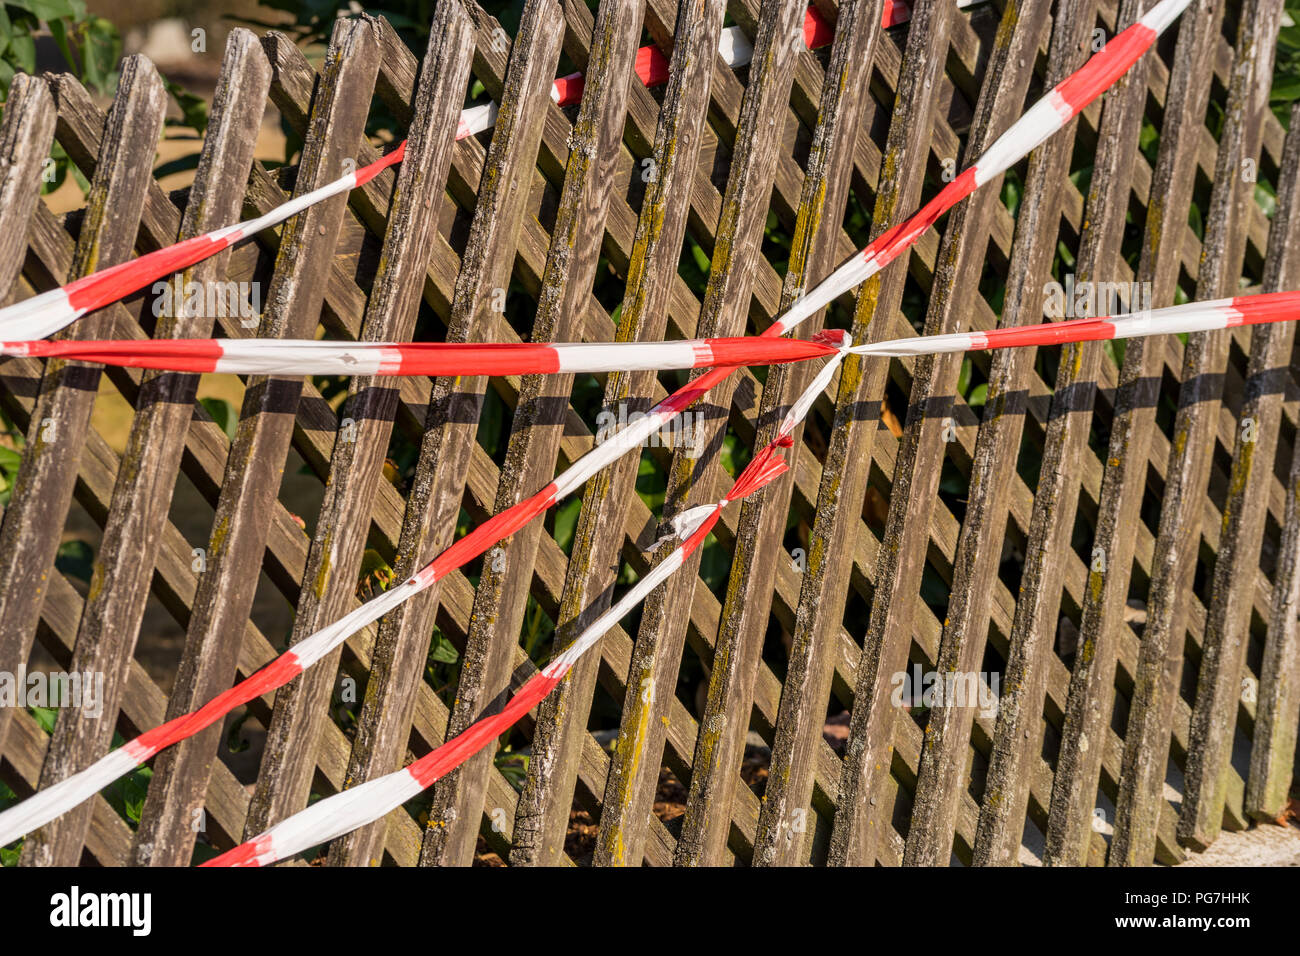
column 23, row 52
column 194, row 109
column 59, row 30
column 49, row 10
column 441, row 650
column 223, row 413
column 701, row 258
column 9, row 460
column 44, row 717
column 6, row 29
column 1011, row 195
column 566, row 521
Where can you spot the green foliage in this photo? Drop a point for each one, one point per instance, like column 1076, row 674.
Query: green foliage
column 223, row 413
column 314, row 19
column 89, row 44
column 9, row 857
column 92, row 48
column 9, row 462
column 194, row 108
column 1286, row 69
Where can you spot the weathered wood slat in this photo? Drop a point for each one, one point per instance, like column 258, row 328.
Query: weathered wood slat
column 124, row 563
column 927, row 432
column 1019, row 734
column 483, row 477
column 62, row 417
column 454, row 405
column 785, row 825
column 1140, row 800
column 758, row 545
column 1277, row 714
column 1224, row 649
column 941, row 543
column 572, row 259
column 861, row 827
column 570, row 267
column 1070, row 834
column 544, row 805
column 980, row 546
column 292, row 307
column 263, row 657
column 1269, row 382
column 355, row 467
column 692, row 480
column 42, row 489
column 390, row 313
column 862, row 830
column 25, row 136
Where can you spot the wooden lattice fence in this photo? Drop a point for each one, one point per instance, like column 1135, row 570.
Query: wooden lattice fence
column 1110, row 533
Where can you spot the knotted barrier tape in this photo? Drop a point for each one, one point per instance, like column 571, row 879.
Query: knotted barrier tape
column 369, row 801
column 1061, row 104
column 1190, row 317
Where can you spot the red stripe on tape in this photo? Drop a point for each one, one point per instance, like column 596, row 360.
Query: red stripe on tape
column 1100, row 73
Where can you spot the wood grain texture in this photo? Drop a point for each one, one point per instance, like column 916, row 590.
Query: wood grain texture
column 927, row 432
column 785, row 825
column 833, row 151
column 1218, row 687
column 366, row 420
column 454, row 405
column 248, row 491
column 1071, row 821
column 695, row 474
column 1140, row 801
column 58, row 430
column 758, row 548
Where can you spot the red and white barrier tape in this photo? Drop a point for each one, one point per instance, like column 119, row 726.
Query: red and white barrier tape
column 315, row 357
column 1191, row 317
column 355, row 807
column 320, row 357
column 652, row 66
column 1064, row 101
column 47, row 313
column 369, row 801
column 1173, row 320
